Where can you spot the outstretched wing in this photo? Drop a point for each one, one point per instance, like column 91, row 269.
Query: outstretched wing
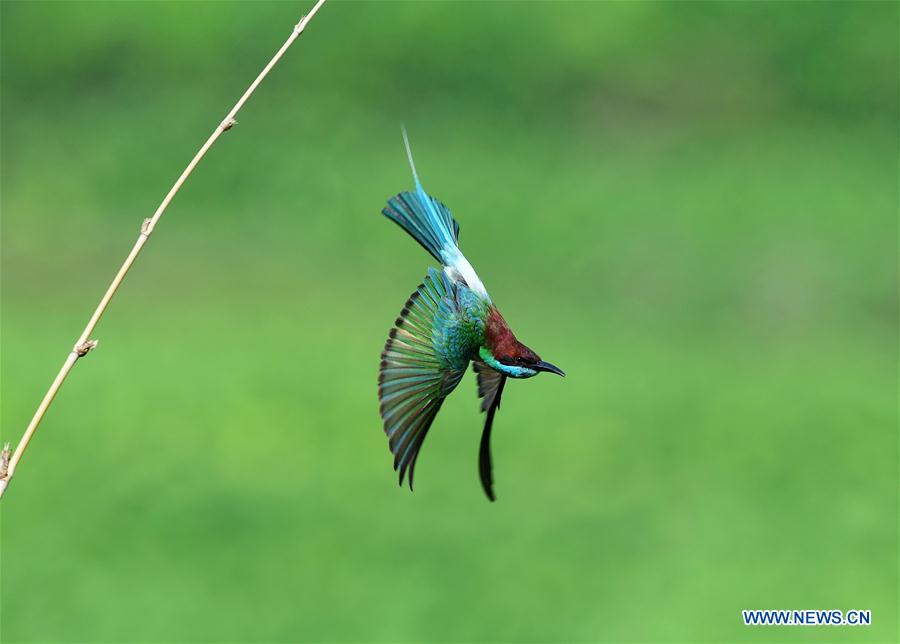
column 490, row 389
column 416, row 371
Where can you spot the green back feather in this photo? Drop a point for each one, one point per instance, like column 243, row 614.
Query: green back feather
column 439, row 330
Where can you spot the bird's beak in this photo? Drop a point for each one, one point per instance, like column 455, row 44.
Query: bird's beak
column 546, row 366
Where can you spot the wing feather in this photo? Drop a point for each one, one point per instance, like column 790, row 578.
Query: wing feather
column 490, row 390
column 414, row 376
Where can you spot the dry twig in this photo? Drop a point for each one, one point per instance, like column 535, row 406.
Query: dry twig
column 83, row 345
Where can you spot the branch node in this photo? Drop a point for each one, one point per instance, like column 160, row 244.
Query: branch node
column 146, row 228
column 298, row 28
column 85, row 347
column 227, row 124
column 4, row 461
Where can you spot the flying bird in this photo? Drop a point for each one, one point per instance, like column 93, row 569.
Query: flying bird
column 448, row 322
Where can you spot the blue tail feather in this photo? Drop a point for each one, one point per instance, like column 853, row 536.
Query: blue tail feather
column 425, row 218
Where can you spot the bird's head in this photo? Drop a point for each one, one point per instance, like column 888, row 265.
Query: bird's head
column 507, row 355
column 520, row 363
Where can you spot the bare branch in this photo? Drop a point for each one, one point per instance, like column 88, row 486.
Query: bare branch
column 83, row 346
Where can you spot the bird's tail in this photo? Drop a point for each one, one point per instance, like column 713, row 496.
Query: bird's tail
column 425, row 218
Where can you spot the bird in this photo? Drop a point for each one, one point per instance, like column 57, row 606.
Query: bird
column 447, row 323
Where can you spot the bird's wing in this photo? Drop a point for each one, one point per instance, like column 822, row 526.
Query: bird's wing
column 417, row 370
column 490, row 389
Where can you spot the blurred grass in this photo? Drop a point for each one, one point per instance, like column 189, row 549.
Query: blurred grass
column 691, row 208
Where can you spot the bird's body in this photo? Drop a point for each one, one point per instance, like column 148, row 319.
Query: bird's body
column 448, row 322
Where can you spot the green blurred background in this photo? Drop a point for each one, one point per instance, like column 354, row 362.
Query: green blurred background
column 691, row 208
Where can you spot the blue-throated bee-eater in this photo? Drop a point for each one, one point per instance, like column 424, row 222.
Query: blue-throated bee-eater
column 447, row 322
